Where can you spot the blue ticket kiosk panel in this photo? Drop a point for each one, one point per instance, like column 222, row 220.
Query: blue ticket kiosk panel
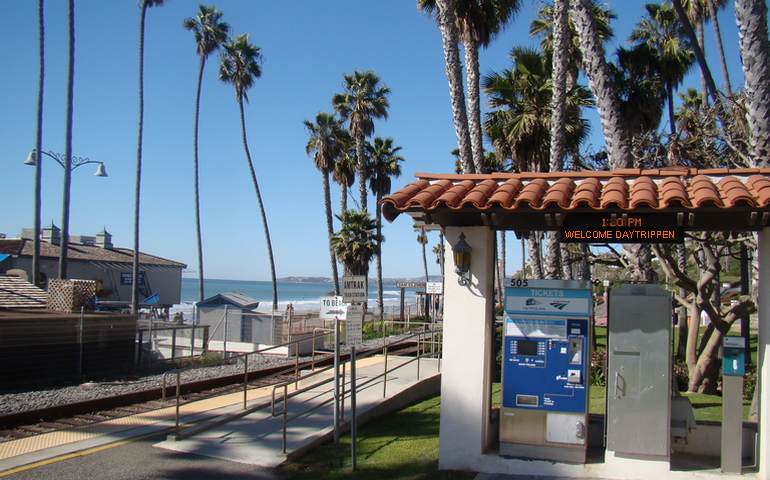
column 546, row 357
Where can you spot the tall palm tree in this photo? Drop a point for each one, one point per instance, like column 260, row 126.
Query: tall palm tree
column 478, row 22
column 600, row 81
column 661, row 32
column 363, row 100
column 65, row 216
column 324, row 146
column 755, row 52
column 38, row 143
column 422, row 239
column 356, row 241
column 144, row 5
column 542, row 27
column 520, row 110
column 712, row 8
column 697, row 15
column 344, row 172
column 239, row 66
column 558, row 116
column 383, row 165
column 447, row 25
column 210, row 33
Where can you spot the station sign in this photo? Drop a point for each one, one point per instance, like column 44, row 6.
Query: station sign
column 410, row 284
column 621, row 228
column 434, row 288
column 354, row 289
column 333, row 307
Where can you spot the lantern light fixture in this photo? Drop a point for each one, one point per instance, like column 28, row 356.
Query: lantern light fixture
column 462, row 257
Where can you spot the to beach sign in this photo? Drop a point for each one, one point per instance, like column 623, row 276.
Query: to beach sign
column 333, row 307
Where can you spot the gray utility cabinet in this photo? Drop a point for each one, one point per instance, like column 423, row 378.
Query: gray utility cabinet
column 639, row 371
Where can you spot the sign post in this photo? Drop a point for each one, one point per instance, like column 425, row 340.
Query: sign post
column 732, row 403
column 354, row 293
column 332, row 307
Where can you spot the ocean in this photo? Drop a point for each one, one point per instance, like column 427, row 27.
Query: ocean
column 304, row 296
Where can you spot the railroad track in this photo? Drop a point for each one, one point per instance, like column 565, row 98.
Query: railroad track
column 83, row 414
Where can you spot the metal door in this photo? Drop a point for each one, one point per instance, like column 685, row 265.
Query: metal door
column 639, row 370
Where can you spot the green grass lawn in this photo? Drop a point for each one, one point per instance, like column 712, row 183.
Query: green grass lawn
column 403, row 445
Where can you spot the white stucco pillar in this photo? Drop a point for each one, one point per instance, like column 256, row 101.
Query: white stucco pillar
column 467, row 344
column 763, row 353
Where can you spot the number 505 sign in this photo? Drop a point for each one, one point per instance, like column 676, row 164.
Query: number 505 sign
column 333, row 307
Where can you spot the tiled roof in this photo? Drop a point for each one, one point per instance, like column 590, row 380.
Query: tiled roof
column 674, row 189
column 78, row 251
column 19, row 293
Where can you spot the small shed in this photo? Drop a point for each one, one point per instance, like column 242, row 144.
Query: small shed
column 235, row 314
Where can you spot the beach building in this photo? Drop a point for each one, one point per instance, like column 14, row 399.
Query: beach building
column 234, row 322
column 96, row 258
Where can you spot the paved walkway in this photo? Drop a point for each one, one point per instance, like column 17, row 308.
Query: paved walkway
column 256, row 439
column 16, row 454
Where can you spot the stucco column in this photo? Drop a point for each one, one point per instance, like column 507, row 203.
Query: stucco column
column 763, row 353
column 467, row 347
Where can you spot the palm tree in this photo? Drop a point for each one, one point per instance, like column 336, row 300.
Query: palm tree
column 478, row 22
column 542, row 27
column 660, row 31
column 422, row 239
column 520, row 111
column 323, row 145
column 712, row 7
column 239, row 66
column 65, row 216
column 364, row 100
column 38, row 144
column 447, row 25
column 210, row 33
column 344, row 172
column 438, row 251
column 600, row 80
column 697, row 14
column 356, row 242
column 755, row 52
column 383, row 165
column 144, row 5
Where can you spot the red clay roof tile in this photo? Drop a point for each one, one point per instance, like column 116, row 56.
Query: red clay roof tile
column 627, row 189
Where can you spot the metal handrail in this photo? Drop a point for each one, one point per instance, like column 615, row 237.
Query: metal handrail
column 286, row 395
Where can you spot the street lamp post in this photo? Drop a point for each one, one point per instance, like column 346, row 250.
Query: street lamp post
column 75, row 162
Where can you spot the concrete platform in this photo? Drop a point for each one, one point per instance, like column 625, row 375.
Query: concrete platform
column 256, row 439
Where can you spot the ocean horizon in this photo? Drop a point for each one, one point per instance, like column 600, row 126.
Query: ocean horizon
column 302, row 295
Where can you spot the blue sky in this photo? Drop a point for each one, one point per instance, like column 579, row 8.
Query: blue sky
column 307, row 47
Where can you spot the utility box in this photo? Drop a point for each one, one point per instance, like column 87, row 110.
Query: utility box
column 546, row 357
column 639, row 372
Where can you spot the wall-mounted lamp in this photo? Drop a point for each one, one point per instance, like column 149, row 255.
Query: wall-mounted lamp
column 462, row 254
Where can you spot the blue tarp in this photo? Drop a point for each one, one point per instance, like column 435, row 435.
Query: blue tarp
column 3, row 256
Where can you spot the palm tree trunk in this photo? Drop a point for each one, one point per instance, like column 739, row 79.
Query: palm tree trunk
column 425, row 261
column 380, row 300
column 553, row 257
column 720, row 47
column 600, row 80
column 449, row 39
column 138, row 179
column 361, row 160
column 671, row 117
column 201, row 293
column 690, row 33
column 755, row 52
column 65, row 216
column 38, row 145
column 535, row 261
column 559, row 83
column 702, row 43
column 473, row 99
column 259, row 201
column 343, row 198
column 330, row 229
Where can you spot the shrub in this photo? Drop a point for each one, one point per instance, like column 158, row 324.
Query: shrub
column 749, row 382
column 599, row 367
column 681, row 374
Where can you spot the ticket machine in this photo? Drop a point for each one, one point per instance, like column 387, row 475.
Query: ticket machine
column 546, row 357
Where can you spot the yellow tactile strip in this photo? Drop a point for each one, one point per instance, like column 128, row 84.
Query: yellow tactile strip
column 167, row 414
